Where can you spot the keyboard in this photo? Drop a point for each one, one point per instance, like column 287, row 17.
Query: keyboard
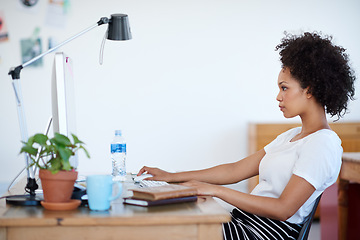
column 152, row 183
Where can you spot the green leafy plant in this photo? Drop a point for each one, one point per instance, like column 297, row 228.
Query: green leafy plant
column 52, row 154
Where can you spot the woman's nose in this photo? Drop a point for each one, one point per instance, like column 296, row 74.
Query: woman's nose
column 278, row 97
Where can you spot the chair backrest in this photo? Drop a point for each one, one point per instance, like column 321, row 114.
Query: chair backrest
column 304, row 233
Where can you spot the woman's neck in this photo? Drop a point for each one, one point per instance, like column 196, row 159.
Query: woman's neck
column 312, row 122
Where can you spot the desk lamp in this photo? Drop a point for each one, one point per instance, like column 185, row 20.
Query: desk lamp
column 118, row 30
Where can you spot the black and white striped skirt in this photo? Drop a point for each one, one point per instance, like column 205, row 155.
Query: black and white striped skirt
column 244, row 225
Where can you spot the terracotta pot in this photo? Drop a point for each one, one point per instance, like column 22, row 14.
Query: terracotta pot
column 57, row 187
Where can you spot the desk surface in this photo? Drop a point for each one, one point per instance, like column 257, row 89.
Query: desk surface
column 199, row 220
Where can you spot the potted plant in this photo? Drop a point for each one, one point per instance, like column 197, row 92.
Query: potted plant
column 52, row 157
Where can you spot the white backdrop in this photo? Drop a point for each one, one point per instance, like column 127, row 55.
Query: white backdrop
column 183, row 90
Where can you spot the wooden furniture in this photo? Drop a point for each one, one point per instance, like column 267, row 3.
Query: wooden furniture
column 199, row 220
column 350, row 172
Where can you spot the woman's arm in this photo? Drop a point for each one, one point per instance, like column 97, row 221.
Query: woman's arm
column 295, row 194
column 221, row 174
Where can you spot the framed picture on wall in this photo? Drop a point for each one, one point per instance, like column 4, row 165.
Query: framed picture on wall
column 31, row 48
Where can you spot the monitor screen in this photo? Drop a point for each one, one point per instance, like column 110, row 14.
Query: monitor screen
column 63, row 98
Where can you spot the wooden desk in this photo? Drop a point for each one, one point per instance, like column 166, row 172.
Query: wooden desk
column 200, row 220
column 350, row 172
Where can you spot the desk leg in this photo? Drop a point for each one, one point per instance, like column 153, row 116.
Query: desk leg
column 343, row 208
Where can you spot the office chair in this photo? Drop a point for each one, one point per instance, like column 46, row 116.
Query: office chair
column 304, row 233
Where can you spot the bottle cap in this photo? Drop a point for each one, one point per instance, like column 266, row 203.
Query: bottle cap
column 118, row 133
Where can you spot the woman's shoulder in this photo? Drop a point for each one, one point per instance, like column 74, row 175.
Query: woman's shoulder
column 323, row 140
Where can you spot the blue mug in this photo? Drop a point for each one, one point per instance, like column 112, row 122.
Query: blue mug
column 99, row 191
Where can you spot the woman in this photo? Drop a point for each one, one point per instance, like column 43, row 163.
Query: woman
column 299, row 164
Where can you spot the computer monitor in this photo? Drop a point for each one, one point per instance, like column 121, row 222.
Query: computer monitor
column 63, row 98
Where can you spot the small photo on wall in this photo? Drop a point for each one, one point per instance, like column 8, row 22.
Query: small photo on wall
column 57, row 13
column 31, row 48
column 4, row 35
column 52, row 42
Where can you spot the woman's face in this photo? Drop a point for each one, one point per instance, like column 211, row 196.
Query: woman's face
column 292, row 98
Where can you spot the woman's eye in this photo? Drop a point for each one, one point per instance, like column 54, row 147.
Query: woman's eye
column 284, row 88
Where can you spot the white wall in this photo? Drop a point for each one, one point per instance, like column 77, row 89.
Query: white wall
column 183, row 90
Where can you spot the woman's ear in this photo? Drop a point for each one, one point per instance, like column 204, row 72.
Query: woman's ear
column 308, row 93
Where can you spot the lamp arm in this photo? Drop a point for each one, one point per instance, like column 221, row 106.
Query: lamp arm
column 58, row 46
column 15, row 72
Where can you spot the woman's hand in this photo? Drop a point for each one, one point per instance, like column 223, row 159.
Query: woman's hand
column 157, row 174
column 204, row 189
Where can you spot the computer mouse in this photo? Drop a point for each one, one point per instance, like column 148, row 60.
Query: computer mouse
column 141, row 177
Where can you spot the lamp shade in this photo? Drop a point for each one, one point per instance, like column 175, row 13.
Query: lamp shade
column 119, row 28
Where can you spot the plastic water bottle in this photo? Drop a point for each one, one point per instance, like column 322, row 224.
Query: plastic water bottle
column 118, row 156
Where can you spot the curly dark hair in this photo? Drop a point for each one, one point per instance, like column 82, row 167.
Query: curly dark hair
column 322, row 66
